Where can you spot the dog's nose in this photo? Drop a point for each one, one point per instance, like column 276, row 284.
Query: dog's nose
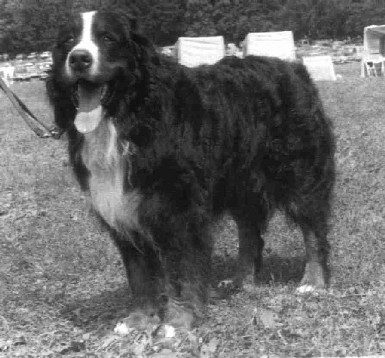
column 80, row 60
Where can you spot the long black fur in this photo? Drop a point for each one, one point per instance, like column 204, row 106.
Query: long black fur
column 247, row 136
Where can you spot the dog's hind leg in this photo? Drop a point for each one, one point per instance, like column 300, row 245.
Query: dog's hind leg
column 312, row 219
column 317, row 249
column 250, row 252
column 251, row 245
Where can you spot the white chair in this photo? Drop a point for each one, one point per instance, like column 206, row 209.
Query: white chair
column 370, row 68
column 373, row 63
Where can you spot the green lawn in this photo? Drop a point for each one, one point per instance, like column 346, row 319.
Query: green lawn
column 62, row 284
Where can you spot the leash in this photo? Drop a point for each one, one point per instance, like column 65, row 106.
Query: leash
column 29, row 118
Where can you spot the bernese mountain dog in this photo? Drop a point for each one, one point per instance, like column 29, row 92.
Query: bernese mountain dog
column 163, row 151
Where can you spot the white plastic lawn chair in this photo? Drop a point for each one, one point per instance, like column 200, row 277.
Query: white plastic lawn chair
column 371, row 65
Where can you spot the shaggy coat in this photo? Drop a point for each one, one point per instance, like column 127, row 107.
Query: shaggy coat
column 164, row 150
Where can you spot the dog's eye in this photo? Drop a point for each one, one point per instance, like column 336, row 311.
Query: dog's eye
column 108, row 38
column 69, row 40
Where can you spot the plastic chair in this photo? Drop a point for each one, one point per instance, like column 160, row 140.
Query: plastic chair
column 371, row 69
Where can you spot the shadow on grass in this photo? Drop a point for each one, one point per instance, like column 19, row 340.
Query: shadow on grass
column 105, row 309
column 102, row 310
column 276, row 269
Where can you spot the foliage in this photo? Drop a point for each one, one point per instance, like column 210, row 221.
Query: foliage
column 31, row 25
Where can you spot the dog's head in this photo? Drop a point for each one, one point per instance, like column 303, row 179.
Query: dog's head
column 98, row 60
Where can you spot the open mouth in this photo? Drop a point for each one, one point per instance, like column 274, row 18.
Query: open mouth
column 90, row 98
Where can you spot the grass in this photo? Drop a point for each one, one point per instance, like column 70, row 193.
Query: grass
column 62, row 284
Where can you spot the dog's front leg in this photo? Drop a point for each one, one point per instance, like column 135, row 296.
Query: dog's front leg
column 188, row 269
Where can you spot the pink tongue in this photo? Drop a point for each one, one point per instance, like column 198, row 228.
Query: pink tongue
column 90, row 110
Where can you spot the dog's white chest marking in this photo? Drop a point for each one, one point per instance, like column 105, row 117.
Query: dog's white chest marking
column 101, row 156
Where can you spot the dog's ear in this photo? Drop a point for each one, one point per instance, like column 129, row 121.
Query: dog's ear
column 60, row 100
column 145, row 50
column 126, row 17
column 133, row 23
column 142, row 47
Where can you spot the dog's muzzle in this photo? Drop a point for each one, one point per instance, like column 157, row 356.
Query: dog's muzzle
column 80, row 61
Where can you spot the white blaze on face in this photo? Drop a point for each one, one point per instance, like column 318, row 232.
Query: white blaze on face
column 86, row 43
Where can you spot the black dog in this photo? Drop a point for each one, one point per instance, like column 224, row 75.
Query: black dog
column 163, row 150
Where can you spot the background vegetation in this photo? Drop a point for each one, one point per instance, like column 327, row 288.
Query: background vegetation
column 31, row 25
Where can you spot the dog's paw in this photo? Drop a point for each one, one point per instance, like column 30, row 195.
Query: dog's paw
column 305, row 289
column 179, row 316
column 226, row 285
column 137, row 321
column 225, row 288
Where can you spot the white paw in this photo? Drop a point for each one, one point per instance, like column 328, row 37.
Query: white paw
column 122, row 329
column 226, row 284
column 305, row 289
column 169, row 331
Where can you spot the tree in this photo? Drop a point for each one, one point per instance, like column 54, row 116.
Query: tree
column 31, row 25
